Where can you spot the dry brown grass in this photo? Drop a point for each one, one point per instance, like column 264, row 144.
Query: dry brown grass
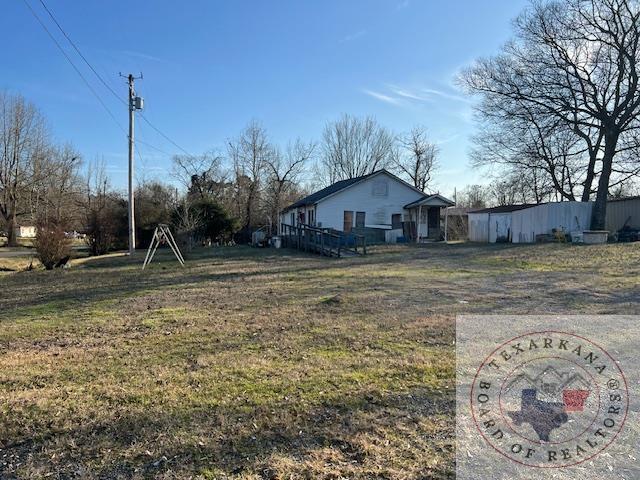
column 255, row 364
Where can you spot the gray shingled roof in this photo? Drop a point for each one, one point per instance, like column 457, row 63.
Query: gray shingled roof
column 325, row 192
column 427, row 197
column 505, row 208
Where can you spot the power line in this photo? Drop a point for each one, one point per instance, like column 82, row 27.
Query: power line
column 108, row 87
column 84, row 79
column 86, row 82
column 115, row 94
column 142, row 142
column 152, row 146
column 165, row 136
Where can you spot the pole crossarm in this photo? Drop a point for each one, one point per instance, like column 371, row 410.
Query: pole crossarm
column 162, row 234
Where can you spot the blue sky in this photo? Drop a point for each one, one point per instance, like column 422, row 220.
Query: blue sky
column 211, row 66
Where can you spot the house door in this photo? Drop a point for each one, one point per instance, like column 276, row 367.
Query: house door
column 348, row 221
column 396, row 221
column 433, row 222
column 433, row 219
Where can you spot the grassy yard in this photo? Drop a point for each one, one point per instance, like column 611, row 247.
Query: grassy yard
column 265, row 364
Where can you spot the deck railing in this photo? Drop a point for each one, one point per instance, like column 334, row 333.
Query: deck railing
column 324, row 241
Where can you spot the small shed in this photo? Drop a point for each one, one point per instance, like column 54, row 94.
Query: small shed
column 492, row 224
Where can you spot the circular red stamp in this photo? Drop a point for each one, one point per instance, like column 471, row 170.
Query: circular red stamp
column 549, row 399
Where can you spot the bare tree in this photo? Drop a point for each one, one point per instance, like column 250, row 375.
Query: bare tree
column 60, row 188
column 285, row 169
column 473, row 196
column 525, row 149
column 353, row 146
column 105, row 212
column 519, row 186
column 416, row 157
column 202, row 174
column 187, row 221
column 574, row 62
column 249, row 154
column 22, row 145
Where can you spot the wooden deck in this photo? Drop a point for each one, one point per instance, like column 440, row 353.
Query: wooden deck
column 323, row 241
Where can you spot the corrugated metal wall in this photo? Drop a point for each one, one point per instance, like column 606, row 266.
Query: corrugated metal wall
column 619, row 211
column 499, row 227
column 479, row 227
column 542, row 219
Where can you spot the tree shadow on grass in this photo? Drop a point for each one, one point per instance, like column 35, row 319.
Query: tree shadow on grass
column 367, row 432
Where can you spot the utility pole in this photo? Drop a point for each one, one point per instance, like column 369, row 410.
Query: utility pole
column 135, row 103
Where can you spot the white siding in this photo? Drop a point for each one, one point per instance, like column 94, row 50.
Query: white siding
column 26, row 231
column 499, row 227
column 369, row 196
column 479, row 227
column 542, row 219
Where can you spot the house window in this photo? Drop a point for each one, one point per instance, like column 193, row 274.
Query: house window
column 292, row 218
column 360, row 219
column 380, row 216
column 396, row 221
column 380, row 188
column 301, row 218
column 312, row 217
column 348, row 221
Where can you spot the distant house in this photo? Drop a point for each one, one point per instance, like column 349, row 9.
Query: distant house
column 26, row 231
column 379, row 201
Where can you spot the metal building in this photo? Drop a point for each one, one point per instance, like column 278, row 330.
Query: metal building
column 543, row 219
column 623, row 211
column 492, row 224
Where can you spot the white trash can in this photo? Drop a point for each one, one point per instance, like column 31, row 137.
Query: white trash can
column 277, row 242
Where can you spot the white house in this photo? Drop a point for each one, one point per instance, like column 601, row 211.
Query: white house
column 379, row 200
column 26, row 231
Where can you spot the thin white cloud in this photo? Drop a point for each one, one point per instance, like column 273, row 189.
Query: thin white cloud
column 450, row 96
column 397, row 95
column 448, row 139
column 354, row 36
column 406, row 93
column 144, row 56
column 382, row 97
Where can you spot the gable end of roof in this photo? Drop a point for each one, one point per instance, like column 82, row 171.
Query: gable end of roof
column 342, row 185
